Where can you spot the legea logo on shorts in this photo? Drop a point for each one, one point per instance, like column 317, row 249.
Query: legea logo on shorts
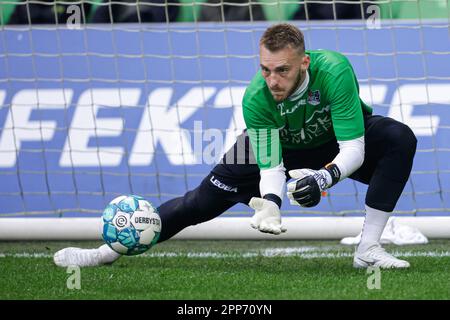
column 222, row 186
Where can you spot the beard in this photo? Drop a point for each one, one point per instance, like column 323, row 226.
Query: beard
column 298, row 81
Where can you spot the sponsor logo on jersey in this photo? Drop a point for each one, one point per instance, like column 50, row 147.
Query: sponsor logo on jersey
column 221, row 185
column 284, row 110
column 318, row 124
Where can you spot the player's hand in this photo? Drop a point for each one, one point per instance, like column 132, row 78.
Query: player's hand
column 307, row 187
column 267, row 217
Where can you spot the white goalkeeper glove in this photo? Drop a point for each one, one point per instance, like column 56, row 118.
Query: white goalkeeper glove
column 267, row 217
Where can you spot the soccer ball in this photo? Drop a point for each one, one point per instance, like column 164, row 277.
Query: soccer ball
column 131, row 225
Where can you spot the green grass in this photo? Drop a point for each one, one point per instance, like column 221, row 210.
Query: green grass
column 227, row 270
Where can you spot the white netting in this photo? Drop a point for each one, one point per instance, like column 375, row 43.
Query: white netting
column 99, row 99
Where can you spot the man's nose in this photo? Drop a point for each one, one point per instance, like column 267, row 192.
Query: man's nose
column 272, row 80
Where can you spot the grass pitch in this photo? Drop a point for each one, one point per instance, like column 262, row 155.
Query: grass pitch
column 226, row 270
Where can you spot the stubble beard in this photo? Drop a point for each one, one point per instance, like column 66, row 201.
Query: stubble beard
column 300, row 79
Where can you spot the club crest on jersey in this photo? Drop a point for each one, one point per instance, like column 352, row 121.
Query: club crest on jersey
column 314, row 97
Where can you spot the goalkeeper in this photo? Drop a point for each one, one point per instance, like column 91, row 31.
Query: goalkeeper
column 305, row 122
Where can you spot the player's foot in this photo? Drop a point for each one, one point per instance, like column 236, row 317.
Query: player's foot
column 376, row 256
column 77, row 257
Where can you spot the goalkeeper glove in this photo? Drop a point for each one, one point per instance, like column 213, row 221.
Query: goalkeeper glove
column 267, row 217
column 309, row 184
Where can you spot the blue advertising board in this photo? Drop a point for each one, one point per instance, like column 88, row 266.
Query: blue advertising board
column 89, row 114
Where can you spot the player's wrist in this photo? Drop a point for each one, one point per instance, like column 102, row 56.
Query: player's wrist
column 274, row 198
column 333, row 174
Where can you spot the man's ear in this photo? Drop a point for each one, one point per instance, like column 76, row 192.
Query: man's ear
column 305, row 62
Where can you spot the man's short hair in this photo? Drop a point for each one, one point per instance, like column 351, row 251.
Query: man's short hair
column 281, row 36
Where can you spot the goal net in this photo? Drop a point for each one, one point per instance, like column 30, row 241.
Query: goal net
column 104, row 98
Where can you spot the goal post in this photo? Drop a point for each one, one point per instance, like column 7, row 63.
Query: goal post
column 91, row 111
column 225, row 228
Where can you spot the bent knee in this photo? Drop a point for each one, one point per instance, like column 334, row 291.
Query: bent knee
column 401, row 137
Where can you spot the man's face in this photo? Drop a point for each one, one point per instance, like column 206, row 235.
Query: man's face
column 283, row 70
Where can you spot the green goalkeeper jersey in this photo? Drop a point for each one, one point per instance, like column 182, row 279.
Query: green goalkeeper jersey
column 329, row 108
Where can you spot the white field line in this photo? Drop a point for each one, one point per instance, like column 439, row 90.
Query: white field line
column 301, row 252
